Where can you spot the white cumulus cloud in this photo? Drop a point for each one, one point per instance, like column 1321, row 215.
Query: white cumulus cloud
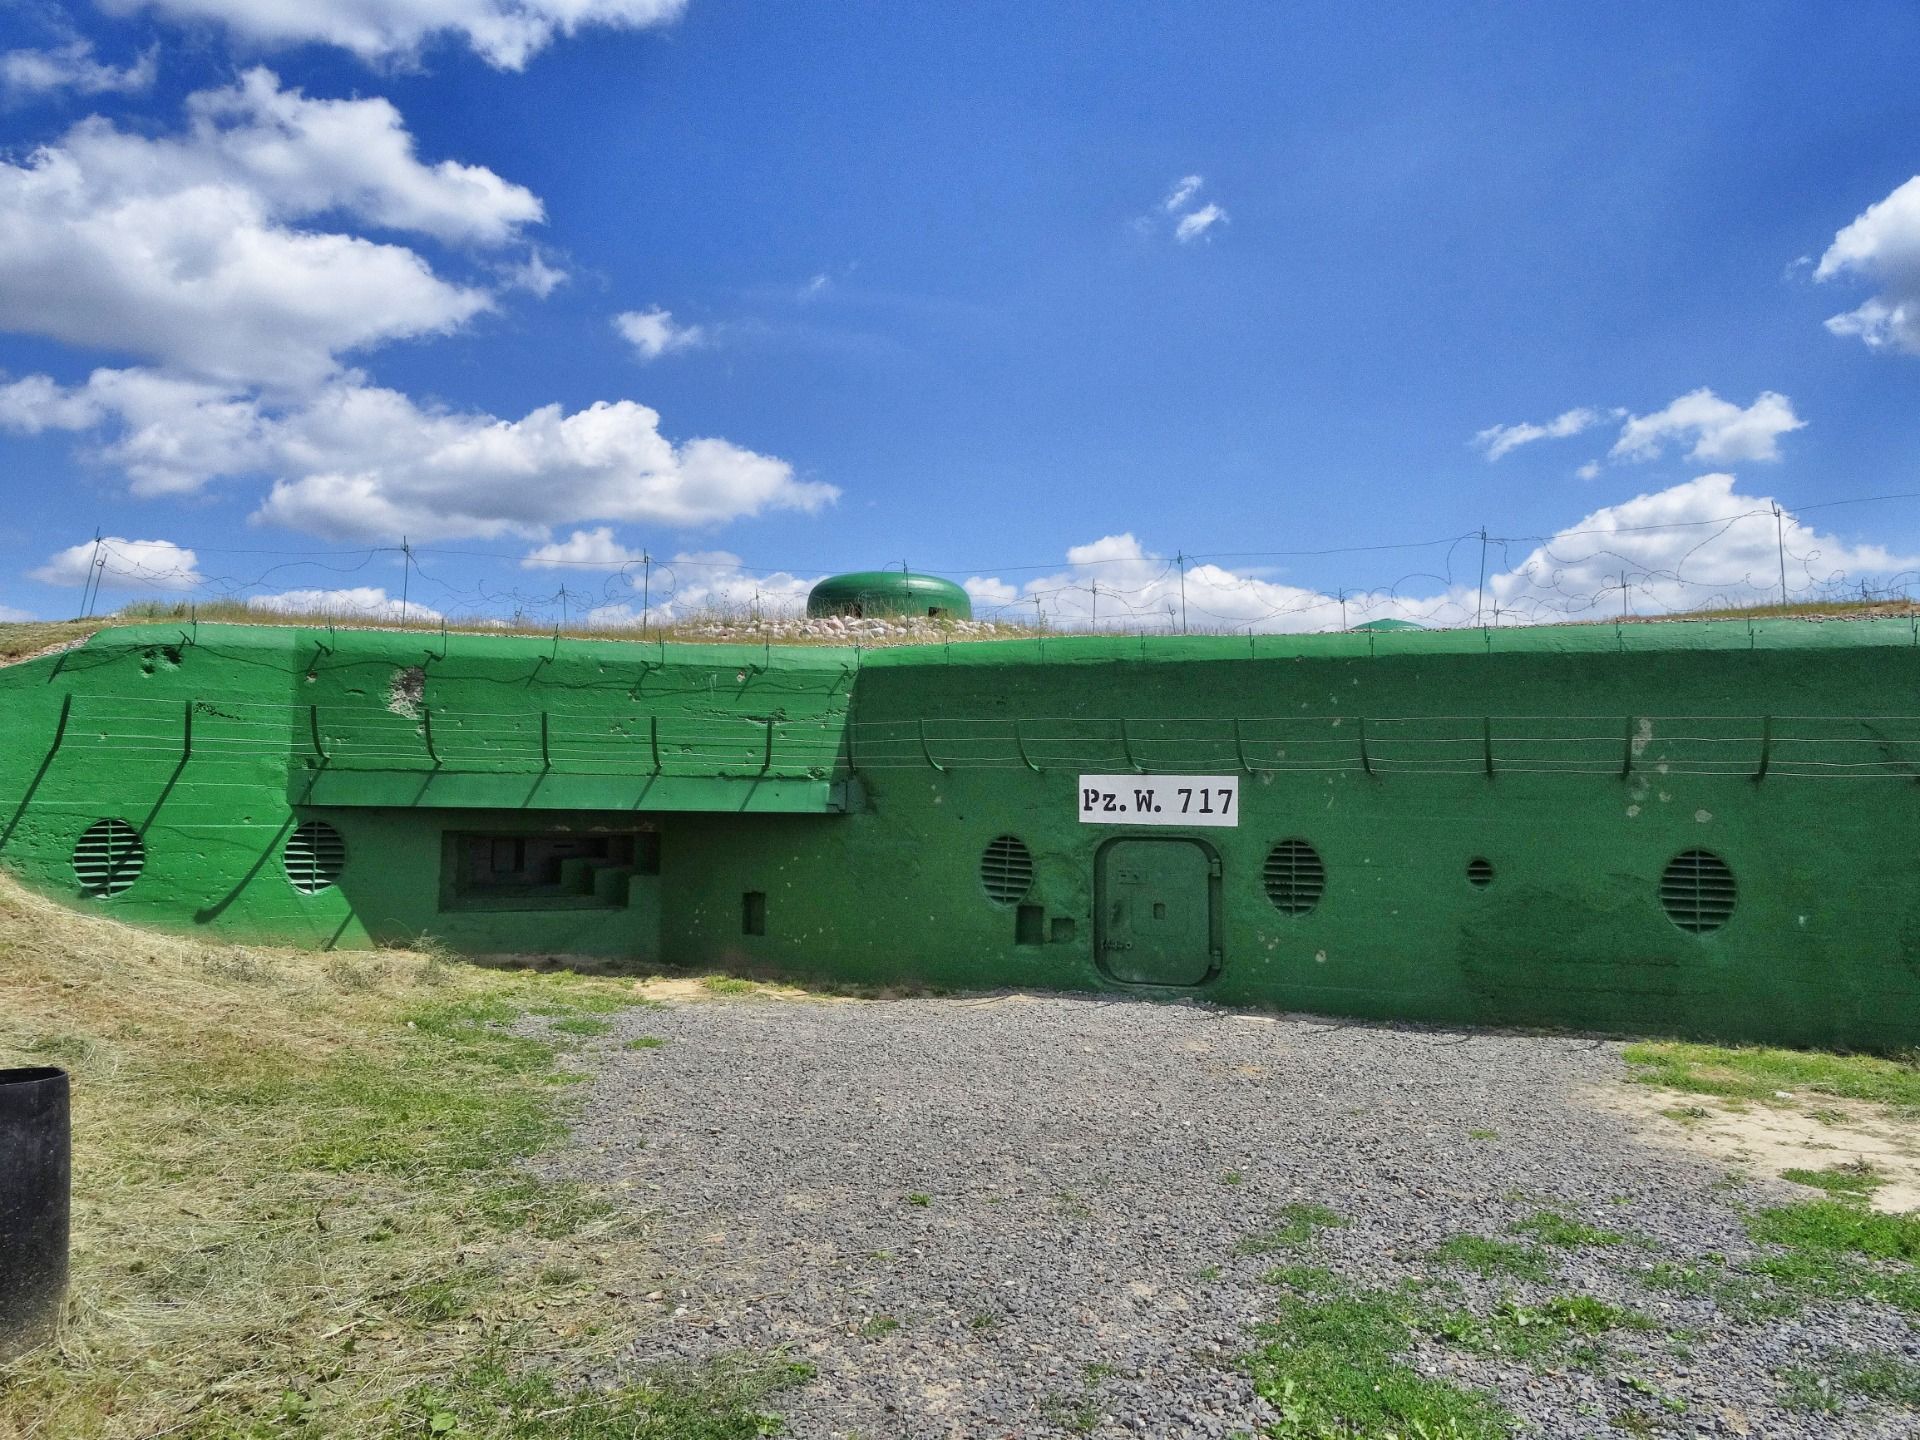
column 1498, row 440
column 73, row 67
column 1716, row 431
column 1191, row 221
column 358, row 461
column 1197, row 223
column 708, row 582
column 1881, row 245
column 185, row 249
column 1690, row 546
column 653, row 333
column 584, row 549
column 1184, row 189
column 121, row 564
column 504, row 33
column 359, row 602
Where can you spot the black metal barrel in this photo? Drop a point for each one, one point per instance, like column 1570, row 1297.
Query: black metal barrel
column 36, row 1169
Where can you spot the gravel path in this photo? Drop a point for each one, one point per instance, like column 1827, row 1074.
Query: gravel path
column 1022, row 1216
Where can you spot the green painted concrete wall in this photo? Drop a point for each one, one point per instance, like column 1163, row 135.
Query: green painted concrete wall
column 856, row 792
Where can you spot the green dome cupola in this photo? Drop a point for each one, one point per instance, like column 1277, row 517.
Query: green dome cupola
column 890, row 593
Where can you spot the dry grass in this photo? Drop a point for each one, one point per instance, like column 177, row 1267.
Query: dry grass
column 35, row 637
column 741, row 625
column 299, row 1198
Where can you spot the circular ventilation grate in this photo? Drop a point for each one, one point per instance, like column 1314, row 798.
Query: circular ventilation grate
column 1697, row 891
column 109, row 857
column 314, row 857
column 1294, row 877
column 1006, row 869
column 1480, row 872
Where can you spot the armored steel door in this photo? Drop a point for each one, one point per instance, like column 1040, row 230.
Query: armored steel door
column 1156, row 905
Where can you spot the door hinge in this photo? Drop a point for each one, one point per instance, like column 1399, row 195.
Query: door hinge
column 1213, row 867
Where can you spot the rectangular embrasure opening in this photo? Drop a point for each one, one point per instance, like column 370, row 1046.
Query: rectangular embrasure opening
column 506, row 870
column 1029, row 925
column 753, row 912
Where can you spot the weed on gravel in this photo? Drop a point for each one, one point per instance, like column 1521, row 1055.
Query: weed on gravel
column 1294, row 1225
column 1335, row 1366
column 1553, row 1228
column 1492, row 1257
column 1531, row 1332
column 1840, row 1375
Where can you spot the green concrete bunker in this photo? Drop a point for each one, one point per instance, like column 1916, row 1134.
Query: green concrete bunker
column 1693, row 828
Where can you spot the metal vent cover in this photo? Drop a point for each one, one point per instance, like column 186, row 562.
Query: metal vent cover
column 1697, row 891
column 108, row 857
column 315, row 855
column 1294, row 876
column 1480, row 872
column 1006, row 869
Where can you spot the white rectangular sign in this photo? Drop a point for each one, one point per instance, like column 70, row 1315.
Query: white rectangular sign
column 1160, row 799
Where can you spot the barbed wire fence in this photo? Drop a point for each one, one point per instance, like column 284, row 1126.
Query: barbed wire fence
column 1750, row 559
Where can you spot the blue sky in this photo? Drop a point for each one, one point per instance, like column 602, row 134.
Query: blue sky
column 1040, row 296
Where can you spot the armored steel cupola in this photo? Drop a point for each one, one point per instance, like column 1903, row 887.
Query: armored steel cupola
column 893, row 593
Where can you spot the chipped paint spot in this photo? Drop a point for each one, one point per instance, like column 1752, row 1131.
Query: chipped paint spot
column 1632, row 810
column 1703, row 816
column 1642, row 736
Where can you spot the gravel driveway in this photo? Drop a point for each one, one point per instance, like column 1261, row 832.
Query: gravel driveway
column 1038, row 1216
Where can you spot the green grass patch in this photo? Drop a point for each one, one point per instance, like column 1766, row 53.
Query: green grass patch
column 1531, row 1332
column 1856, row 1179
column 1840, row 1375
column 1294, row 1225
column 645, row 1042
column 1492, row 1257
column 1687, row 1114
column 1553, row 1228
column 491, row 1401
column 1332, row 1367
column 1837, row 1226
column 1307, row 1279
column 1758, row 1072
column 728, row 985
